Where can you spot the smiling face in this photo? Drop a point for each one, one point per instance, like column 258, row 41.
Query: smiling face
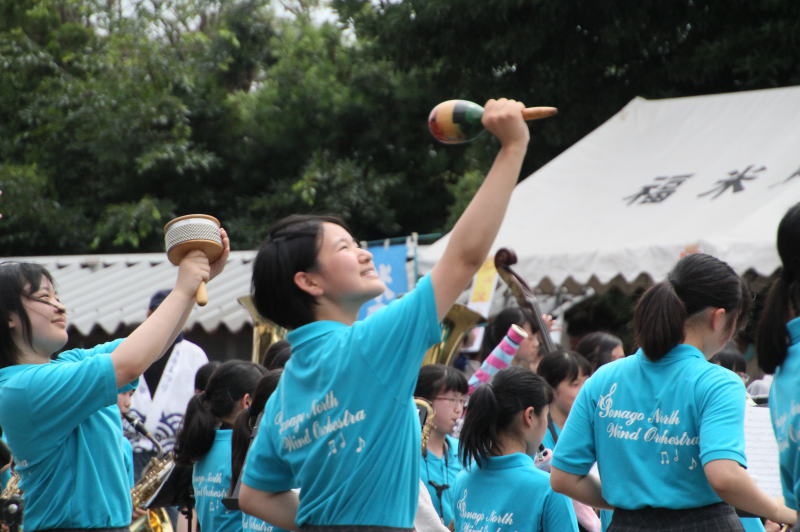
column 48, row 320
column 345, row 272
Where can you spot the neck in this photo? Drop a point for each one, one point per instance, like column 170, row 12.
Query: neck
column 29, row 356
column 436, row 443
column 695, row 338
column 558, row 417
column 327, row 310
column 509, row 444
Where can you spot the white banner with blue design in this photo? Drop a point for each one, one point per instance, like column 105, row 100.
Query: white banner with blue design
column 390, row 263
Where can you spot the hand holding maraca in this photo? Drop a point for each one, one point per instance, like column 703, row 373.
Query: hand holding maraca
column 460, row 121
column 198, row 240
column 195, row 269
column 503, row 119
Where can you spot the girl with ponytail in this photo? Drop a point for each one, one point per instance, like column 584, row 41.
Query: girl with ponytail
column 205, row 440
column 666, row 427
column 242, row 434
column 505, row 423
column 778, row 348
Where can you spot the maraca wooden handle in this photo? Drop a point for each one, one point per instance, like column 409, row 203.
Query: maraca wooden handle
column 536, row 113
column 201, row 296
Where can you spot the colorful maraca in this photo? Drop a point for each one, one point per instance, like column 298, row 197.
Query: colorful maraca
column 459, row 121
column 193, row 231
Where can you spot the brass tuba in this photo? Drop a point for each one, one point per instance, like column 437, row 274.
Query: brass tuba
column 456, row 323
column 265, row 332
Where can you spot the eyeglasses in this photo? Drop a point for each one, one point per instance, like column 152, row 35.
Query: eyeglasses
column 454, row 401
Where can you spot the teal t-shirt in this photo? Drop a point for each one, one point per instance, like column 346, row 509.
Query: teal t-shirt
column 510, row 494
column 64, row 428
column 652, row 426
column 443, row 472
column 342, row 425
column 784, row 407
column 211, row 479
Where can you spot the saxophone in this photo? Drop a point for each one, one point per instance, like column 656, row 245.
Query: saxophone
column 154, row 474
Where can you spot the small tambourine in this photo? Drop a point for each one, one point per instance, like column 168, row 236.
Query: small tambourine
column 193, row 231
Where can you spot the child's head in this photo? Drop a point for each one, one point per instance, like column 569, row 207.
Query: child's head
column 733, row 360
column 446, row 388
column 701, row 295
column 783, row 301
column 124, row 400
column 33, row 317
column 277, row 355
column 600, row 348
column 565, row 372
column 204, row 373
column 528, row 353
column 513, row 407
column 229, row 391
column 306, row 259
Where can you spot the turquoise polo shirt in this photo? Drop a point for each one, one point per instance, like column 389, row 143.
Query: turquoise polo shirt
column 784, row 408
column 211, row 479
column 652, row 426
column 342, row 424
column 510, row 494
column 64, row 429
column 443, row 471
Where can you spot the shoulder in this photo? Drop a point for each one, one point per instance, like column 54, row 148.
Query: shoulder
column 75, row 355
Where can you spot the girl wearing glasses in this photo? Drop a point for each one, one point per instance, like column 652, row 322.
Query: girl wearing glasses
column 342, row 425
column 59, row 414
column 446, row 388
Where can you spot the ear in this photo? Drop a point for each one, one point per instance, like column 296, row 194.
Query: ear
column 247, row 400
column 528, row 417
column 718, row 319
column 307, row 282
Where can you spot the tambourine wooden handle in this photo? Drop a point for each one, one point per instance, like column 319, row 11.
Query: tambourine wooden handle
column 537, row 113
column 201, row 296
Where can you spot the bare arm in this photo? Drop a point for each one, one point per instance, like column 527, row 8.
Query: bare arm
column 151, row 339
column 279, row 509
column 476, row 229
column 585, row 489
column 736, row 487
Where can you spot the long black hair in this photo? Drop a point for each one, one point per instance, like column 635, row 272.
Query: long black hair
column 492, row 408
column 227, row 385
column 17, row 280
column 246, row 422
column 291, row 246
column 783, row 301
column 697, row 282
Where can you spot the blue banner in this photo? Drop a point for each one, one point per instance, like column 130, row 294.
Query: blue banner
column 390, row 264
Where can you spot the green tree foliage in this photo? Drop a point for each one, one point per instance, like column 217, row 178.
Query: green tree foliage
column 117, row 115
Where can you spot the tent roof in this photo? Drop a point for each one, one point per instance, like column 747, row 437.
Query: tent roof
column 113, row 290
column 658, row 179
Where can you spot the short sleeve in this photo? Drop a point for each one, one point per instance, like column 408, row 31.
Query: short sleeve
column 263, row 469
column 575, row 450
column 558, row 515
column 76, row 355
column 62, row 395
column 394, row 339
column 722, row 418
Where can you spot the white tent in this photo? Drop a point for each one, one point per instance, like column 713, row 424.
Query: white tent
column 658, row 179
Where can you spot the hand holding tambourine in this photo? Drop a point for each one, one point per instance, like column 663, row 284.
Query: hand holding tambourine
column 202, row 233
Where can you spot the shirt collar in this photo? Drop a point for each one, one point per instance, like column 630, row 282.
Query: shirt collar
column 678, row 352
column 794, row 330
column 311, row 331
column 508, row 461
